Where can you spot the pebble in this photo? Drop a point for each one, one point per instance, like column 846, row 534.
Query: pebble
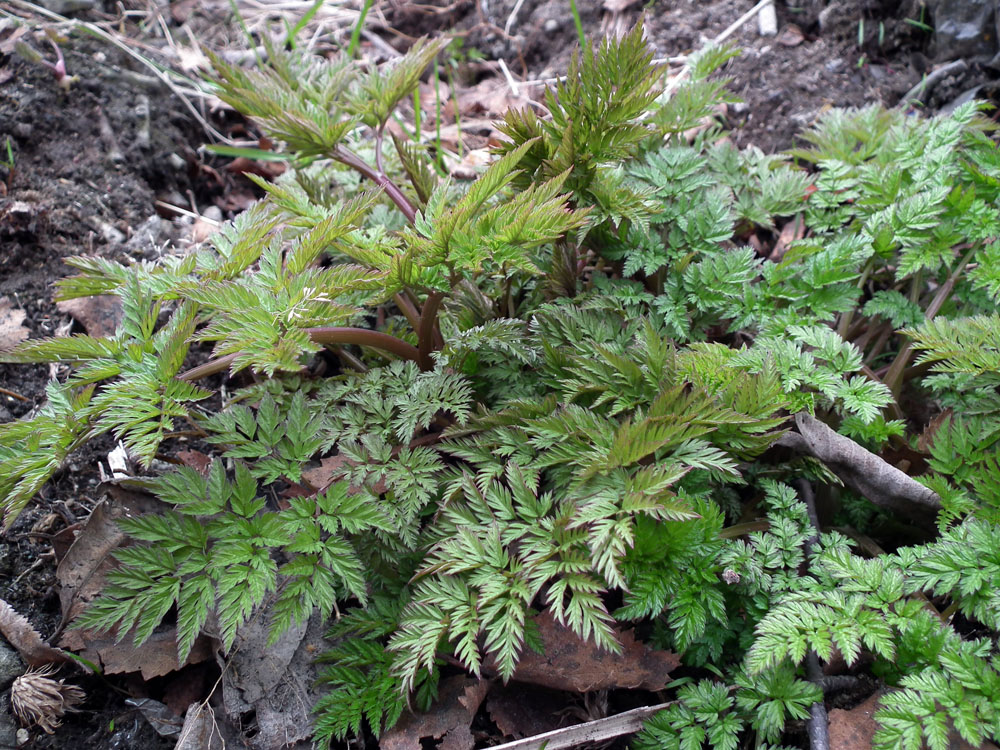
column 551, row 25
column 8, row 728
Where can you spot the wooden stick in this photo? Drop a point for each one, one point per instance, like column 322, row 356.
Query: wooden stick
column 598, row 730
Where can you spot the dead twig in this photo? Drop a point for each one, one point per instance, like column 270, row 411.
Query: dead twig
column 598, row 730
column 12, row 394
column 929, row 81
column 860, row 469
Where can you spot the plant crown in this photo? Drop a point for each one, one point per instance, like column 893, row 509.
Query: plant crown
column 560, row 388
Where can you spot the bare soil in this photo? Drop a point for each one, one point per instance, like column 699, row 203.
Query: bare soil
column 90, row 166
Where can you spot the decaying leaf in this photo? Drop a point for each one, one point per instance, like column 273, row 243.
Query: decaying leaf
column 273, row 683
column 524, row 710
column 28, row 641
column 201, row 730
column 11, row 330
column 448, row 720
column 570, row 663
column 333, row 469
column 81, row 574
column 855, row 729
column 196, row 460
column 98, row 315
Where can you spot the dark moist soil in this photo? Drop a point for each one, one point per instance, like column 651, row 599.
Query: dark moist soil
column 86, row 181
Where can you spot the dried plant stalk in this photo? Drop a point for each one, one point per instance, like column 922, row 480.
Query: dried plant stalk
column 39, row 700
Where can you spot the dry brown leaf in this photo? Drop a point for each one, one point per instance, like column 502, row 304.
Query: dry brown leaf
column 524, row 710
column 201, row 730
column 860, row 469
column 794, row 230
column 81, row 575
column 99, row 315
column 156, row 657
column 11, row 331
column 491, row 98
column 855, row 729
column 790, row 36
column 448, row 720
column 333, row 469
column 196, row 460
column 926, row 439
column 81, row 572
column 28, row 641
column 570, row 663
column 473, row 163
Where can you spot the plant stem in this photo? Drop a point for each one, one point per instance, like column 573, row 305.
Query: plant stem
column 845, row 320
column 818, row 726
column 326, row 336
column 425, row 335
column 894, row 375
column 352, row 46
column 396, row 195
column 409, row 310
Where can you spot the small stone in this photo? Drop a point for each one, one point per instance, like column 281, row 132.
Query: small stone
column 551, row 25
column 176, row 162
column 11, row 665
column 9, row 734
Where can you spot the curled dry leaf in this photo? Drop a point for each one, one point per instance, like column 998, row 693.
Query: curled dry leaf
column 28, row 641
column 272, row 682
column 40, row 700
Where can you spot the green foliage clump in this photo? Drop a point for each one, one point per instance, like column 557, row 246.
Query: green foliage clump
column 566, row 388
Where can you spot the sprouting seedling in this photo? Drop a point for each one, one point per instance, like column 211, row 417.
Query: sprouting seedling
column 8, row 162
column 58, row 68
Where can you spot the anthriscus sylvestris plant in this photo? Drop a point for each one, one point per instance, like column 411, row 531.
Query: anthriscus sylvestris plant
column 571, row 386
